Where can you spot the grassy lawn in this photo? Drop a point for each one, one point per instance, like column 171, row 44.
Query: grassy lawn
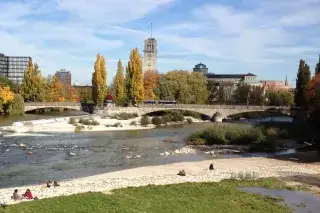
column 219, row 197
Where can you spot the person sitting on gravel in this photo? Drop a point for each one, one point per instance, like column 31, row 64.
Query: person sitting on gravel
column 182, row 173
column 55, row 183
column 16, row 196
column 49, row 183
column 28, row 195
column 211, row 167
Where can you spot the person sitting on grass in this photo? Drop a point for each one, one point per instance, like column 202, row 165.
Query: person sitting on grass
column 16, row 196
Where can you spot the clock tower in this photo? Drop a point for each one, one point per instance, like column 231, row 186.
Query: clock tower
column 150, row 54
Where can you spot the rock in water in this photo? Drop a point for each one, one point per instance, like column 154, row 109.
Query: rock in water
column 21, row 145
column 211, row 167
column 182, row 173
column 29, row 153
column 72, row 154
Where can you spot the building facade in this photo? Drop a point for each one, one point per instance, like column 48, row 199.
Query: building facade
column 150, row 54
column 64, row 76
column 202, row 68
column 13, row 67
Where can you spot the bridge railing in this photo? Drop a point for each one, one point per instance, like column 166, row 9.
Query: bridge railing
column 186, row 106
column 51, row 104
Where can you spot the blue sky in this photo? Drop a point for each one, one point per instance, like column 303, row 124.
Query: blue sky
column 267, row 38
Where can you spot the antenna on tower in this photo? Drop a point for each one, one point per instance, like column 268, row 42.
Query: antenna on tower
column 151, row 29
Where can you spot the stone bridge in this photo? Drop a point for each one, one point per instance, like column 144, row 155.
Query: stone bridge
column 43, row 105
column 142, row 109
column 209, row 110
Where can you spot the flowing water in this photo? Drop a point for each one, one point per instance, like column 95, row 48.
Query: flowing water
column 64, row 156
column 300, row 202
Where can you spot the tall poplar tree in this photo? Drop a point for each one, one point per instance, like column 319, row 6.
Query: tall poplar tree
column 135, row 75
column 32, row 87
column 99, row 77
column 317, row 70
column 118, row 84
column 150, row 82
column 302, row 82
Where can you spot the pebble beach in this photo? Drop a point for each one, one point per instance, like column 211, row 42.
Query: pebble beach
column 167, row 174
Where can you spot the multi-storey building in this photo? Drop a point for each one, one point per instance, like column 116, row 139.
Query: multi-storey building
column 13, row 67
column 64, row 76
column 201, row 68
column 150, row 54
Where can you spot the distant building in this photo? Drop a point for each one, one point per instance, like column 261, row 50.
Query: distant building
column 248, row 78
column 150, row 54
column 13, row 67
column 276, row 85
column 201, row 68
column 64, row 76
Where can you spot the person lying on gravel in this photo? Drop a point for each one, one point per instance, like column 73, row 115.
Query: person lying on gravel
column 16, row 196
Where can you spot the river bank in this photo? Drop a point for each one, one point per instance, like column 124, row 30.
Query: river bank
column 167, row 174
column 63, row 124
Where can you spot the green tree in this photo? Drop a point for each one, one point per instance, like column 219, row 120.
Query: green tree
column 17, row 106
column 213, row 88
column 242, row 93
column 118, row 84
column 33, row 86
column 280, row 97
column 99, row 88
column 135, row 77
column 256, row 96
column 5, row 82
column 225, row 94
column 317, row 70
column 302, row 82
column 184, row 87
column 127, row 86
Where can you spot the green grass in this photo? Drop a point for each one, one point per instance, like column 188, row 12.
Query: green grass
column 222, row 197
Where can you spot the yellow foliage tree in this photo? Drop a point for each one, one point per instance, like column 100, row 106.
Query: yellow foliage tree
column 99, row 78
column 135, row 86
column 118, row 84
column 72, row 94
column 6, row 97
column 55, row 90
column 150, row 82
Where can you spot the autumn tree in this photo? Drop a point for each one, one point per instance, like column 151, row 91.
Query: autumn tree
column 302, row 82
column 150, row 82
column 99, row 78
column 32, row 87
column 118, row 84
column 135, row 77
column 54, row 90
column 6, row 97
column 72, row 94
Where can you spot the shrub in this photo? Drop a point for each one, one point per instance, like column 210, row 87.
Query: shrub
column 79, row 128
column 144, row 121
column 177, row 116
column 118, row 124
column 72, row 121
column 156, row 121
column 125, row 116
column 133, row 123
column 189, row 120
column 166, row 118
column 88, row 122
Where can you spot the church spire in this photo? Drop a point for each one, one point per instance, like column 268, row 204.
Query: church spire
column 286, row 83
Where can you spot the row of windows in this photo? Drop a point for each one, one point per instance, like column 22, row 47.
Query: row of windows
column 18, row 59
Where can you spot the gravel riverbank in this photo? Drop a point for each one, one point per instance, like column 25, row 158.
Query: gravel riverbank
column 167, row 174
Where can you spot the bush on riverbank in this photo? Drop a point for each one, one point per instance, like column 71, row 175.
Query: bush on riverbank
column 79, row 128
column 144, row 121
column 73, row 121
column 189, row 121
column 156, row 121
column 258, row 138
column 17, row 106
column 124, row 116
column 89, row 121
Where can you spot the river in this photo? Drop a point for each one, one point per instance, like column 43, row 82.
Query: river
column 72, row 155
column 94, row 153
